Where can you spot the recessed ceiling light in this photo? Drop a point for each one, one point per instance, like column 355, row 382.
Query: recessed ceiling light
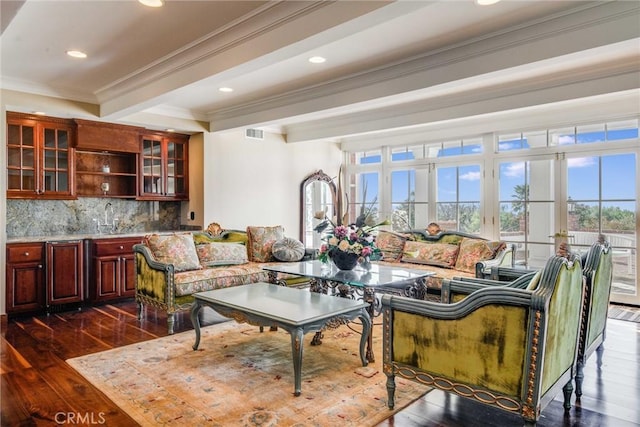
column 170, row 130
column 317, row 59
column 225, row 89
column 152, row 3
column 39, row 113
column 486, row 2
column 76, row 54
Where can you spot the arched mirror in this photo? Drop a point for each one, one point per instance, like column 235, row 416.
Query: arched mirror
column 317, row 193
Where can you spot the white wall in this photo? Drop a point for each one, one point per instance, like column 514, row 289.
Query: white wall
column 257, row 182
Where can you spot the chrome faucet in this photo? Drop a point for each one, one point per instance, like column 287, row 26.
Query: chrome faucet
column 110, row 220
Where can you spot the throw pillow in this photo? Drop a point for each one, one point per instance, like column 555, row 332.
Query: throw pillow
column 212, row 254
column 436, row 254
column 472, row 251
column 178, row 249
column 391, row 245
column 288, row 250
column 261, row 240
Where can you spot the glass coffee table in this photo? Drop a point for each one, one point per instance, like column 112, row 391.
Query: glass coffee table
column 362, row 283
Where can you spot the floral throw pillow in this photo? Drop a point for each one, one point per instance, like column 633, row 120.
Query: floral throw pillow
column 437, row 254
column 472, row 251
column 213, row 254
column 391, row 245
column 261, row 240
column 176, row 249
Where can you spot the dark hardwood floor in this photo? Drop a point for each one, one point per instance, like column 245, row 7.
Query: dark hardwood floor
column 39, row 389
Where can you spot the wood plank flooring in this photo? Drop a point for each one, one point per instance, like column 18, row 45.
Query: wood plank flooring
column 38, row 388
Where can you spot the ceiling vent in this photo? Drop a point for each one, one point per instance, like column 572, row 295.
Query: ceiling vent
column 254, row 133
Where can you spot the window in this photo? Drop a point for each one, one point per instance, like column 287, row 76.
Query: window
column 458, row 198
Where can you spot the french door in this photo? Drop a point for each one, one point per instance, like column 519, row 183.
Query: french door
column 545, row 200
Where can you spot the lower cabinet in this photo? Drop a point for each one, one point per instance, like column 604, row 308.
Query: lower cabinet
column 65, row 272
column 25, row 291
column 112, row 268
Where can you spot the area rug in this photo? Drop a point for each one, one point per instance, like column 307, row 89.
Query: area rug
column 242, row 377
column 624, row 312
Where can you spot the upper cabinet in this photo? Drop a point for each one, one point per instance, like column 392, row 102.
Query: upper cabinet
column 163, row 166
column 39, row 157
column 54, row 158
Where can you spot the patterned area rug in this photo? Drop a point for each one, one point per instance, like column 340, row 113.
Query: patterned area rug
column 241, row 377
column 624, row 312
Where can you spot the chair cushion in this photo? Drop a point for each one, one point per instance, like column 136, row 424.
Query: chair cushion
column 391, row 245
column 438, row 254
column 472, row 251
column 212, row 254
column 260, row 242
column 288, row 249
column 178, row 249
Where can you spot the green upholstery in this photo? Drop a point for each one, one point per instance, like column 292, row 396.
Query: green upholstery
column 159, row 285
column 598, row 273
column 511, row 348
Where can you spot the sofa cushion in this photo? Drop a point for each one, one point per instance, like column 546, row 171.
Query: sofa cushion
column 391, row 245
column 472, row 251
column 178, row 249
column 260, row 242
column 189, row 282
column 438, row 254
column 216, row 253
column 288, row 249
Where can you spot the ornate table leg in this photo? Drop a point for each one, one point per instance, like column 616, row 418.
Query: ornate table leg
column 370, row 297
column 367, row 326
column 195, row 308
column 317, row 286
column 297, row 341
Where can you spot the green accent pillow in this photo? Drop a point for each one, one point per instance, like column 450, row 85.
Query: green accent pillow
column 288, row 250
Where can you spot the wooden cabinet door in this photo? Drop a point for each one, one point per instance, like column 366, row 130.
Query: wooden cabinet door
column 40, row 157
column 65, row 275
column 25, row 278
column 128, row 269
column 164, row 173
column 107, row 275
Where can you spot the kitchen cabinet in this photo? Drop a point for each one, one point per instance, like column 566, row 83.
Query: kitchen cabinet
column 25, row 288
column 65, row 272
column 112, row 268
column 40, row 157
column 164, row 166
column 106, row 174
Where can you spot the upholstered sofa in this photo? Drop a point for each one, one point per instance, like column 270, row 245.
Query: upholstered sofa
column 170, row 268
column 448, row 254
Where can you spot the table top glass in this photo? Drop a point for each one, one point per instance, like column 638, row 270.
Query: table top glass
column 377, row 276
column 287, row 305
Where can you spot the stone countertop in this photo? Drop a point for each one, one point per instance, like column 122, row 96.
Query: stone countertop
column 89, row 236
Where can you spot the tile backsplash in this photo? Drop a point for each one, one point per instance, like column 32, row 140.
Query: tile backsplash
column 60, row 217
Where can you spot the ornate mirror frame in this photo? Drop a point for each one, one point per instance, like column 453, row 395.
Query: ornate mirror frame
column 308, row 182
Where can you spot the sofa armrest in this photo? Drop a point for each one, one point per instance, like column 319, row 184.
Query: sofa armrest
column 154, row 279
column 504, row 258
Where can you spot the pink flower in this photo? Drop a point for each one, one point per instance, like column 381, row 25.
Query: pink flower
column 340, row 231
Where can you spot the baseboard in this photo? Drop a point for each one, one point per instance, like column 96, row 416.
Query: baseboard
column 4, row 321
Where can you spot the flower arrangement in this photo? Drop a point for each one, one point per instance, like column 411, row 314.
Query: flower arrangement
column 356, row 238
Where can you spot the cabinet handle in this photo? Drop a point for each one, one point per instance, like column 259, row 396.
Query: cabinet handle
column 40, row 266
column 26, row 254
column 121, row 247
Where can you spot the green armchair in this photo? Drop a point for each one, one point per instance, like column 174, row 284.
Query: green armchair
column 510, row 348
column 598, row 273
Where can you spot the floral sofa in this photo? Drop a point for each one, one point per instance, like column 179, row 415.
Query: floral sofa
column 449, row 254
column 170, row 268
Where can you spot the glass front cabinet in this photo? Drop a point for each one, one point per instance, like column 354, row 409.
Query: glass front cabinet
column 39, row 157
column 163, row 168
